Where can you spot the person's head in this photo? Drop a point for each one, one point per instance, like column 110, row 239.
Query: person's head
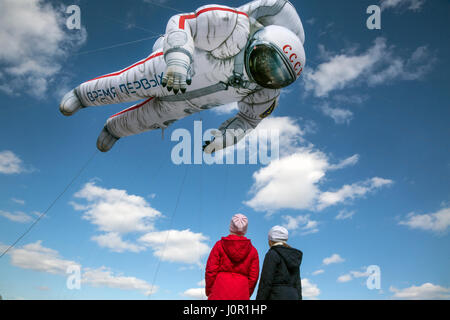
column 274, row 57
column 238, row 224
column 278, row 234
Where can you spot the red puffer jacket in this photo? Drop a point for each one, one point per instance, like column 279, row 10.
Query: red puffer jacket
column 232, row 269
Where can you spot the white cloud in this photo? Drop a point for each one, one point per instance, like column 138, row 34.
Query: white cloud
column 437, row 222
column 342, row 69
column 344, row 278
column 116, row 213
column 339, row 115
column 302, row 222
column 334, row 258
column 412, row 68
column 353, row 99
column 350, row 161
column 18, row 201
column 344, row 214
column 115, row 243
column 292, row 181
column 375, row 66
column 287, row 130
column 414, row 5
column 104, row 277
column 317, row 272
column 289, row 182
column 311, row 21
column 195, row 293
column 355, row 190
column 309, row 290
column 336, row 106
column 17, row 216
column 36, row 257
column 352, row 275
column 426, row 291
column 182, row 246
column 226, row 109
column 37, row 44
column 114, row 210
column 10, row 163
column 291, row 134
column 359, row 274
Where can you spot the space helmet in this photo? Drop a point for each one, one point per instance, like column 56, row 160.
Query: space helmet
column 274, row 57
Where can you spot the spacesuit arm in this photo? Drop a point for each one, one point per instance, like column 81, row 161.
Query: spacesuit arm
column 221, row 30
column 178, row 52
column 250, row 114
column 275, row 12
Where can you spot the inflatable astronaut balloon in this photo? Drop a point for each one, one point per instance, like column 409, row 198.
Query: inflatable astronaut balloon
column 211, row 57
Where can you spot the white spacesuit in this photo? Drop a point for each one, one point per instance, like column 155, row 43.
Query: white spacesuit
column 211, row 57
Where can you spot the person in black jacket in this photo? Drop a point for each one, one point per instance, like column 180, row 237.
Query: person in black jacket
column 280, row 276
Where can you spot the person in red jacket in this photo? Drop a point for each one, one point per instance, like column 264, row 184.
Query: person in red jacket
column 232, row 269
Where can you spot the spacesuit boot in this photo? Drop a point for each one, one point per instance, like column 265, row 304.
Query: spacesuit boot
column 70, row 103
column 106, row 140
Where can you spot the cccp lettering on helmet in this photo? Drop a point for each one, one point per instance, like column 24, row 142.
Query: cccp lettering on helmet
column 293, row 58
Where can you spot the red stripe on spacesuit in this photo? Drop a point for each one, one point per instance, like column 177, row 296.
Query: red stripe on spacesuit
column 132, row 108
column 126, row 69
column 195, row 15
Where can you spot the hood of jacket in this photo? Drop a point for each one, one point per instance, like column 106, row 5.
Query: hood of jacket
column 291, row 256
column 236, row 248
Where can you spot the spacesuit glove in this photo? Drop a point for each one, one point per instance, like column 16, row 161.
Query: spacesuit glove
column 176, row 76
column 222, row 139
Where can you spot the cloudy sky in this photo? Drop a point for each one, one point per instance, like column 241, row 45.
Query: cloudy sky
column 362, row 177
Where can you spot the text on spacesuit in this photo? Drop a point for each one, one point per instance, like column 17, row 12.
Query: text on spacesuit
column 293, row 58
column 101, row 95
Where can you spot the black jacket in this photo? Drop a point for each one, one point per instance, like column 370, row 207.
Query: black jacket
column 280, row 276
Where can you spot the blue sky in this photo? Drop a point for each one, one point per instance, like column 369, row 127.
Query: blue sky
column 362, row 178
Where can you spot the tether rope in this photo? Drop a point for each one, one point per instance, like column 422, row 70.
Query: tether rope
column 51, row 205
column 168, row 232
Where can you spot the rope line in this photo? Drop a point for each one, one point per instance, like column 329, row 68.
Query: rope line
column 163, row 6
column 128, row 25
column 115, row 45
column 51, row 205
column 168, row 231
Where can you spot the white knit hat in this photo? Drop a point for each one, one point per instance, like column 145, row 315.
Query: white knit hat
column 239, row 224
column 278, row 233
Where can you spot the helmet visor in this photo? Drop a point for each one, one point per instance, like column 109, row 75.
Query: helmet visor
column 268, row 68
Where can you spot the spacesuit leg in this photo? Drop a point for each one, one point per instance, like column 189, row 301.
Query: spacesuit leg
column 136, row 82
column 148, row 115
column 127, row 122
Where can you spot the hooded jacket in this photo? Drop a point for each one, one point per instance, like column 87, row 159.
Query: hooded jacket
column 280, row 276
column 232, row 269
